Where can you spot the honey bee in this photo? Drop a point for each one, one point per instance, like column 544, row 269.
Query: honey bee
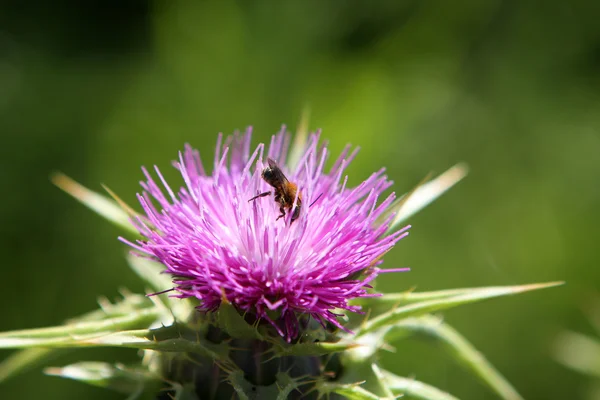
column 284, row 190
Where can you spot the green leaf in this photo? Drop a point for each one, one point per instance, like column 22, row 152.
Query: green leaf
column 363, row 370
column 186, row 391
column 349, row 391
column 424, row 194
column 362, row 377
column 459, row 348
column 102, row 205
column 130, row 303
column 383, row 303
column 414, row 389
column 578, row 352
column 280, row 390
column 313, row 349
column 25, row 360
column 234, row 324
column 59, row 336
column 242, row 387
column 152, row 273
column 428, row 306
column 300, row 138
column 132, row 381
column 388, row 300
column 174, row 338
column 285, row 385
column 591, row 310
column 375, row 383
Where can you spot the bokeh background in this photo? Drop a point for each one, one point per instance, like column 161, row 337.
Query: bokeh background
column 96, row 89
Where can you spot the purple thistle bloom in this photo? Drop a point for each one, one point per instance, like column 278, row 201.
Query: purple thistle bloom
column 218, row 245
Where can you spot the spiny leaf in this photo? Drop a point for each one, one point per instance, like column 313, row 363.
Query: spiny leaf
column 459, row 348
column 27, row 359
column 24, row 360
column 166, row 339
column 285, row 385
column 578, row 352
column 349, row 391
column 102, row 205
column 424, row 194
column 142, row 339
column 410, row 297
column 313, row 349
column 280, row 390
column 234, row 324
column 376, row 383
column 398, row 204
column 242, row 387
column 383, row 303
column 429, row 306
column 300, row 138
column 130, row 303
column 363, row 369
column 592, row 311
column 132, row 381
column 151, row 272
column 174, row 338
column 187, row 391
column 124, row 206
column 414, row 389
column 58, row 335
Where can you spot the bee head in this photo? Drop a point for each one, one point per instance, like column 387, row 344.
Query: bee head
column 272, row 174
column 268, row 174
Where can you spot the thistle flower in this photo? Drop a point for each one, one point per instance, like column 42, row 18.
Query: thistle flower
column 260, row 277
column 219, row 246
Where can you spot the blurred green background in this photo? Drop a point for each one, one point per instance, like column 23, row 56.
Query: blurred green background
column 97, row 89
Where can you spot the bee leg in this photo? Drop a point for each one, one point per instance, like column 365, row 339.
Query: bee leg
column 260, row 195
column 282, row 211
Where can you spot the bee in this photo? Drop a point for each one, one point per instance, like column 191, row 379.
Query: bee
column 284, row 190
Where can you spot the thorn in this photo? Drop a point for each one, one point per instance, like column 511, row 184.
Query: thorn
column 120, row 202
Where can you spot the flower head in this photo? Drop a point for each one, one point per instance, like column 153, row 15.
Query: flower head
column 220, row 246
